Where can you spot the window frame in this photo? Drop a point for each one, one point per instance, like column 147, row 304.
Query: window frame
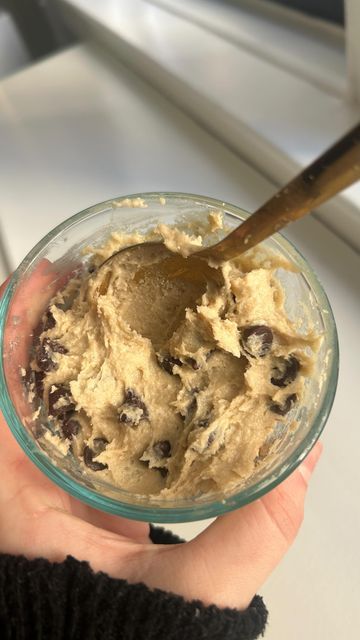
column 315, row 26
column 238, row 21
column 317, row 12
column 352, row 30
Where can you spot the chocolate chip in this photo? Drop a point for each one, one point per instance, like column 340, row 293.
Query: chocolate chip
column 203, row 422
column 162, row 470
column 44, row 354
column 205, row 419
column 133, row 409
column 60, row 396
column 34, row 381
column 132, row 398
column 89, row 454
column 38, row 382
column 285, row 371
column 38, row 430
column 168, row 363
column 283, row 409
column 211, row 438
column 191, row 409
column 125, row 418
column 162, row 449
column 56, row 347
column 70, row 427
column 99, row 445
column 257, row 340
column 44, row 357
column 263, row 451
column 48, row 321
column 192, row 363
column 91, row 269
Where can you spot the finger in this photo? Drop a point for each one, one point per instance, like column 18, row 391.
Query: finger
column 10, row 450
column 21, row 477
column 20, row 471
column 229, row 561
column 103, row 549
column 3, row 286
column 24, row 484
column 14, row 459
column 307, row 467
column 116, row 524
column 247, row 544
column 54, row 534
column 31, row 297
column 29, row 300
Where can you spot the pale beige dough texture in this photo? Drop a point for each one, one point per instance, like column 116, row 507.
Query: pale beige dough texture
column 168, row 387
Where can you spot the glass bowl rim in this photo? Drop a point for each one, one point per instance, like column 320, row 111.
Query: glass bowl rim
column 152, row 513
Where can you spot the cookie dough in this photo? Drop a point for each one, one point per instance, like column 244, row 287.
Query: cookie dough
column 165, row 387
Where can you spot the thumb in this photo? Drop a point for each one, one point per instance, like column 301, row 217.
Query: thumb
column 4, row 285
column 240, row 549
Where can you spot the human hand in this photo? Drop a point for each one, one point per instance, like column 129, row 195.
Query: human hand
column 224, row 565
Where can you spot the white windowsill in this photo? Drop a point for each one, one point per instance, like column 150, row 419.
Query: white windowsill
column 277, row 121
column 311, row 48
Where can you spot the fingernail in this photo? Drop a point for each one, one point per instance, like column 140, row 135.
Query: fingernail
column 307, row 467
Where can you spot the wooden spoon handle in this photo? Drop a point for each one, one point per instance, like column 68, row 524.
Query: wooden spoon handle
column 332, row 172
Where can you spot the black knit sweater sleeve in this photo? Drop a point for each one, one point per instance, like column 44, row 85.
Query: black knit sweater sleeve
column 40, row 600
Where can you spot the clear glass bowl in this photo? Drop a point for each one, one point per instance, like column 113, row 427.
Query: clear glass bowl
column 47, row 267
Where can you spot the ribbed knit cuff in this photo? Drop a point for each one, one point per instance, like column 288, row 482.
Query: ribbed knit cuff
column 53, row 601
column 158, row 535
